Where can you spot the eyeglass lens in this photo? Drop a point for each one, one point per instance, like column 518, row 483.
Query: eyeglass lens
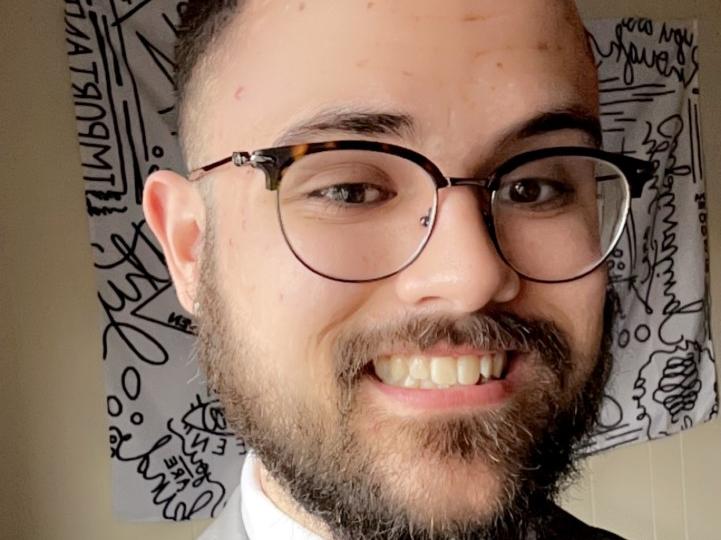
column 360, row 215
column 559, row 217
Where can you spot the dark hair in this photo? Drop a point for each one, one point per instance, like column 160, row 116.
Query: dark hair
column 201, row 22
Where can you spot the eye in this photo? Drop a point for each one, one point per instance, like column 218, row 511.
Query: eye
column 534, row 192
column 353, row 194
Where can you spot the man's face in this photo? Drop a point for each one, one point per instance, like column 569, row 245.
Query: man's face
column 291, row 352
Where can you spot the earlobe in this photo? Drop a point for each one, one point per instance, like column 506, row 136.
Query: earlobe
column 175, row 213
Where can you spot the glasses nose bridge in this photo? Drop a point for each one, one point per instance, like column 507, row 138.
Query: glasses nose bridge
column 484, row 195
column 482, row 183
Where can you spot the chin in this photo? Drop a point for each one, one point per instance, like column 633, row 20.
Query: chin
column 431, row 488
column 451, row 492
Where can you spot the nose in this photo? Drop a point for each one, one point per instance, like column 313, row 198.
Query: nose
column 459, row 270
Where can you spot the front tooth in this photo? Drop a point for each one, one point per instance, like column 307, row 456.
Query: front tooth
column 398, row 369
column 443, row 370
column 499, row 362
column 419, row 368
column 486, row 366
column 427, row 384
column 469, row 368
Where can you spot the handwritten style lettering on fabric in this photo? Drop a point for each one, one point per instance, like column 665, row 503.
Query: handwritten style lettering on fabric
column 172, row 453
column 664, row 377
column 173, row 457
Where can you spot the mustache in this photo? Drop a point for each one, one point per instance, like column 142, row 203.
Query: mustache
column 500, row 330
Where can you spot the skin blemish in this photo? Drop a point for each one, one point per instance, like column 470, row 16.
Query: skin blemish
column 407, row 73
column 478, row 54
column 370, row 5
column 542, row 46
column 471, row 17
column 301, row 6
column 361, row 63
column 239, row 92
column 499, row 65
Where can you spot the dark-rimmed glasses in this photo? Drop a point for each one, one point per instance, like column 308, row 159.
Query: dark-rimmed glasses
column 359, row 211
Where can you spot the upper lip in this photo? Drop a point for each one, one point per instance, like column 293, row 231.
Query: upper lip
column 441, row 349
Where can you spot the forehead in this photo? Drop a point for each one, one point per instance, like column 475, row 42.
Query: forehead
column 458, row 66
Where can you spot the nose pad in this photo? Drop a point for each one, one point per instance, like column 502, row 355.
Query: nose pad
column 427, row 219
column 460, row 266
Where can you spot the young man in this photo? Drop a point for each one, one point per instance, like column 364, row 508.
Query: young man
column 393, row 237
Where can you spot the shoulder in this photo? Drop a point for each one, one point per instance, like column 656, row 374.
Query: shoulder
column 564, row 526
column 229, row 523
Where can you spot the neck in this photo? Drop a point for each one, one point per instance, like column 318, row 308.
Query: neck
column 285, row 503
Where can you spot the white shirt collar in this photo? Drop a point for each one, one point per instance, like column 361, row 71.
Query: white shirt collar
column 250, row 508
column 261, row 517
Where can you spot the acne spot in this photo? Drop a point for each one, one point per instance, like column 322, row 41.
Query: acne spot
column 301, row 6
column 472, row 17
column 407, row 73
column 281, row 297
column 499, row 65
column 361, row 63
column 370, row 5
column 239, row 92
column 478, row 54
column 542, row 46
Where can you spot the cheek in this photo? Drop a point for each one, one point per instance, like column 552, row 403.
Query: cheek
column 288, row 313
column 576, row 307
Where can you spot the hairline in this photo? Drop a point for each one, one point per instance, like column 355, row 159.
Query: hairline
column 192, row 89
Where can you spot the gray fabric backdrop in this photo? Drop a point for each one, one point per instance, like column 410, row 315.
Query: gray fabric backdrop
column 173, row 456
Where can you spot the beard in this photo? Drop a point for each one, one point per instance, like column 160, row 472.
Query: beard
column 369, row 474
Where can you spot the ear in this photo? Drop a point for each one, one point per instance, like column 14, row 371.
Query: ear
column 175, row 213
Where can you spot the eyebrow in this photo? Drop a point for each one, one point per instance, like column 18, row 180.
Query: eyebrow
column 351, row 121
column 401, row 125
column 571, row 117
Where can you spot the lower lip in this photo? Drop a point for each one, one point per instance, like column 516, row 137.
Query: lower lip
column 485, row 395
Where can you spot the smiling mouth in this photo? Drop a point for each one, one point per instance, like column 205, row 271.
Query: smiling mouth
column 440, row 372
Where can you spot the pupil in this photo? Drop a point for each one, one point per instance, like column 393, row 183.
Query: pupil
column 352, row 195
column 526, row 191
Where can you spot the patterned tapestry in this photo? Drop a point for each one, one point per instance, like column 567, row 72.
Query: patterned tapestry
column 173, row 456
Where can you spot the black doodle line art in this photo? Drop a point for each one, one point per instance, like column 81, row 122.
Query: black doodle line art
column 649, row 102
column 166, row 449
column 173, row 454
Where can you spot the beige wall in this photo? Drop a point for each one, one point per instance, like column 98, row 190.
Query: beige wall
column 55, row 481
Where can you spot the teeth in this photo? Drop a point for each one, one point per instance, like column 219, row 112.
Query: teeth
column 469, row 369
column 420, row 368
column 433, row 372
column 382, row 367
column 443, row 370
column 427, row 384
column 499, row 363
column 410, row 382
column 398, row 369
column 486, row 367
